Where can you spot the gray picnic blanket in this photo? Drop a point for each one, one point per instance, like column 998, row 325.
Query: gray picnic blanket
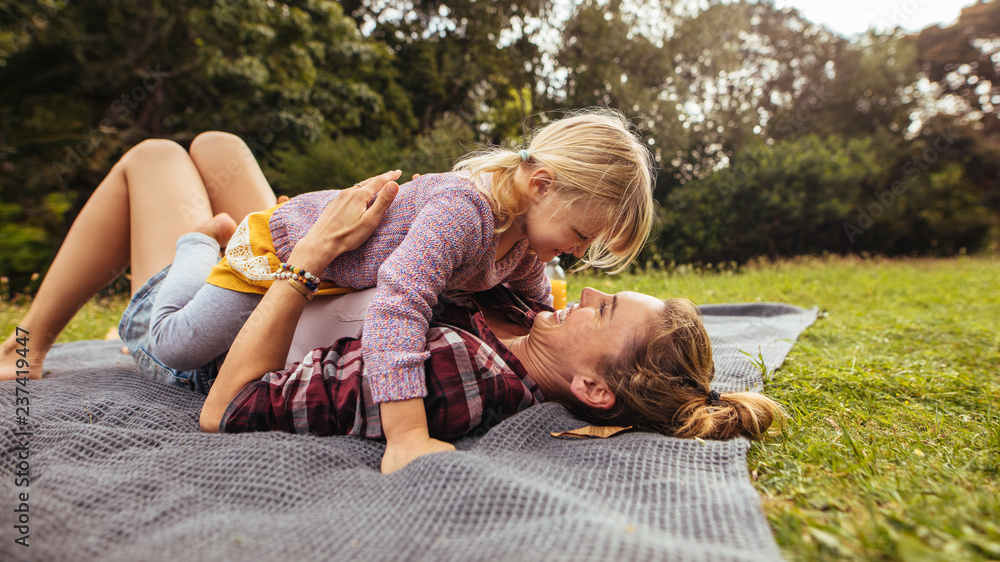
column 119, row 471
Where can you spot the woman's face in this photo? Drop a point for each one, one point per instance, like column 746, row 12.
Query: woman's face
column 599, row 325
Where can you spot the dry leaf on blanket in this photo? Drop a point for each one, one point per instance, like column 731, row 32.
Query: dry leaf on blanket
column 597, row 431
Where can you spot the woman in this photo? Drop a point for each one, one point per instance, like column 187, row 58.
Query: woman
column 605, row 358
column 628, row 359
column 155, row 193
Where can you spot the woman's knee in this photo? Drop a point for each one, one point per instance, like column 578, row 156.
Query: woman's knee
column 211, row 144
column 220, row 157
column 154, row 150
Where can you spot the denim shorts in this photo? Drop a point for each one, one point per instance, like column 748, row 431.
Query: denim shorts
column 134, row 331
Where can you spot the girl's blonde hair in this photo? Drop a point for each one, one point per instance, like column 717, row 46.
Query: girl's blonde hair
column 662, row 384
column 596, row 159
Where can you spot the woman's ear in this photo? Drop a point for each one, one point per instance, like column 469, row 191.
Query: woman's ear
column 592, row 391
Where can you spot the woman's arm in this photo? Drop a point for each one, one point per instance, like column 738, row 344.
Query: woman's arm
column 262, row 344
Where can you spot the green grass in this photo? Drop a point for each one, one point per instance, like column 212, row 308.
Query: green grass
column 892, row 451
column 92, row 321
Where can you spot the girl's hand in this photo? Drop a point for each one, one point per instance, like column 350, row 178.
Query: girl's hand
column 346, row 222
column 404, row 424
column 402, row 452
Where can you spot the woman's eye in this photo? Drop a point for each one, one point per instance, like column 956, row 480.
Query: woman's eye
column 601, row 312
column 581, row 236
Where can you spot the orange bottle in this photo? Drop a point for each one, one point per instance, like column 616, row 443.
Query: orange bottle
column 558, row 279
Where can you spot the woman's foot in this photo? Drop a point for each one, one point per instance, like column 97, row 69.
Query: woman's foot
column 221, row 227
column 113, row 335
column 14, row 360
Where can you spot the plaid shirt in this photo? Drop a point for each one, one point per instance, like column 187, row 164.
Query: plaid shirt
column 473, row 380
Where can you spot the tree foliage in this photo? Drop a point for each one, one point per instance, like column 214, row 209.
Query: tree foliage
column 773, row 135
column 81, row 82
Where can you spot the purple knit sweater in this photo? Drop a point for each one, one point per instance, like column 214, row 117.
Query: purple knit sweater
column 437, row 236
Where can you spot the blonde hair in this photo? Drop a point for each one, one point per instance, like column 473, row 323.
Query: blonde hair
column 595, row 158
column 662, row 384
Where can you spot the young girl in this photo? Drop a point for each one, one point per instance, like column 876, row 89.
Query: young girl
column 582, row 186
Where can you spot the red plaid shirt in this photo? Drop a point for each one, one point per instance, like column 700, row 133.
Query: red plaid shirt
column 473, row 380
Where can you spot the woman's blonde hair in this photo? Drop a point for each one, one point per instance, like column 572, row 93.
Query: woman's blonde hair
column 596, row 159
column 662, row 384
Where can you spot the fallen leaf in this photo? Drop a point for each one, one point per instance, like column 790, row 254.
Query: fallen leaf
column 596, row 431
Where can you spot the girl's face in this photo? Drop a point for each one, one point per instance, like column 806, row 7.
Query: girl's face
column 555, row 226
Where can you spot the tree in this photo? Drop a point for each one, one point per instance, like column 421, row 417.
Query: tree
column 608, row 63
column 963, row 60
column 81, row 82
column 473, row 59
column 782, row 200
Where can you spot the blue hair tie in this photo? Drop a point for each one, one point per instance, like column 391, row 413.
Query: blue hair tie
column 524, row 155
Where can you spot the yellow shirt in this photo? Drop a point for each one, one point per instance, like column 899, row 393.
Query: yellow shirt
column 252, row 244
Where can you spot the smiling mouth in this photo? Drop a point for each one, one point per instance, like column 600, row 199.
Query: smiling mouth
column 561, row 315
column 543, row 260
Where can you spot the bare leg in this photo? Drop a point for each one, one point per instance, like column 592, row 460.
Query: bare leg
column 151, row 196
column 231, row 175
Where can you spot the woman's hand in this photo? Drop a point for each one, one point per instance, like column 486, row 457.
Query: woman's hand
column 346, row 222
column 263, row 342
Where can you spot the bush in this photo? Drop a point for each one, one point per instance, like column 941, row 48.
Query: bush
column 811, row 194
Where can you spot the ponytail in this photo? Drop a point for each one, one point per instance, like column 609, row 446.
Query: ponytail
column 739, row 413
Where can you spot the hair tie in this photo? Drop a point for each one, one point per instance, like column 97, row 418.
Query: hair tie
column 713, row 397
column 524, row 155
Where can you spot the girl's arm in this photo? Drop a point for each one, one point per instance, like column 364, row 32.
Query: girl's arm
column 263, row 342
column 453, row 227
column 450, row 234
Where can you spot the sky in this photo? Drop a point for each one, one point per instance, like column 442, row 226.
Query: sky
column 849, row 17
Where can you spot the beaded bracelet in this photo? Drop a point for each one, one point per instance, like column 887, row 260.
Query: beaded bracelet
column 301, row 272
column 312, row 287
column 301, row 288
column 289, row 271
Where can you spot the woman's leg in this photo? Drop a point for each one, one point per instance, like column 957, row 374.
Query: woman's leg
column 192, row 323
column 232, row 177
column 151, row 196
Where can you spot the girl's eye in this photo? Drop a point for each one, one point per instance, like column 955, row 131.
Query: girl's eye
column 580, row 236
column 601, row 311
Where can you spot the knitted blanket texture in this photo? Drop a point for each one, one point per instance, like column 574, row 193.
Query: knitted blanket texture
column 119, row 470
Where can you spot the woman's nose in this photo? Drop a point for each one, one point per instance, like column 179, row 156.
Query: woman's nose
column 591, row 296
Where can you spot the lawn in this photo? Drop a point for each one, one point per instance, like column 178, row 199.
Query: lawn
column 893, row 446
column 892, row 449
